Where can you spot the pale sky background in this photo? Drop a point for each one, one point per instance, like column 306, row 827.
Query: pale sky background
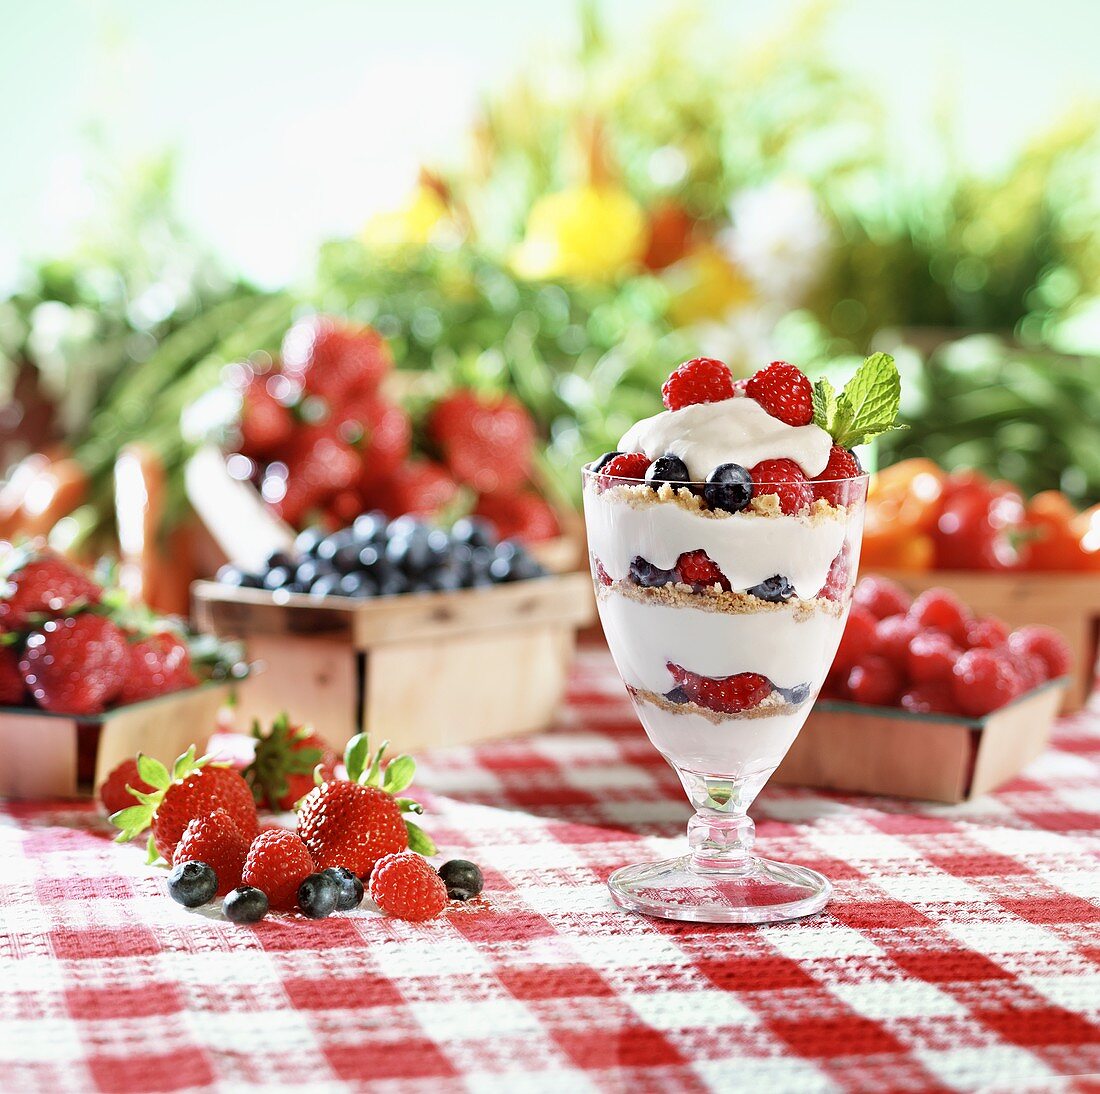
column 296, row 120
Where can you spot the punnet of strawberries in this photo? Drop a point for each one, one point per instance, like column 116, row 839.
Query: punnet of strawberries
column 931, row 654
column 352, row 833
column 71, row 645
column 324, row 440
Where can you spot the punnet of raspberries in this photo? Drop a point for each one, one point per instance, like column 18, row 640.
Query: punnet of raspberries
column 931, row 654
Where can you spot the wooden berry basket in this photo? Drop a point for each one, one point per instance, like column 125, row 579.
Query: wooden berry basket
column 937, row 757
column 420, row 670
column 45, row 755
column 1068, row 602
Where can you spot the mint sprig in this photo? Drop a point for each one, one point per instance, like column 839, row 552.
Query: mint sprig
column 866, row 408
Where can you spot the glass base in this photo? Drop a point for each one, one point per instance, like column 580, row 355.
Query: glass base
column 758, row 891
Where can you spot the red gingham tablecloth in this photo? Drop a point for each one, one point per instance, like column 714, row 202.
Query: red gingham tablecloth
column 961, row 950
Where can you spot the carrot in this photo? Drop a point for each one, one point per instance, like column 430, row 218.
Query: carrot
column 15, row 489
column 139, row 506
column 52, row 494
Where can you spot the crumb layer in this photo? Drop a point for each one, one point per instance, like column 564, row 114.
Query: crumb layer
column 765, row 505
column 713, row 598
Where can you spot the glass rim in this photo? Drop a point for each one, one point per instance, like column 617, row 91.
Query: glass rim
column 587, row 472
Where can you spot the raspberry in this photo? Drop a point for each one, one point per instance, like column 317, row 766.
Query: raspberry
column 1046, row 644
column 838, row 579
column 13, row 691
column 932, row 658
column 724, row 694
column 216, row 840
column 881, row 597
column 630, row 465
column 113, row 794
column 874, row 681
column 404, row 885
column 700, row 380
column 42, row 585
column 784, row 392
column 984, row 681
column 859, row 639
column 941, row 610
column 842, row 464
column 277, row 863
column 989, row 633
column 935, row 698
column 75, row 665
column 699, row 569
column 893, row 635
column 784, row 478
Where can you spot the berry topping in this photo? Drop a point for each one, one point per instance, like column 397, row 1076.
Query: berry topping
column 245, row 905
column 318, row 896
column 941, row 610
column 192, row 884
column 1046, row 644
column 624, row 465
column 405, row 885
column 700, row 380
column 874, row 681
column 843, row 464
column 776, row 590
column 113, row 793
column 667, row 468
column 216, row 840
column 932, row 658
column 784, row 392
column 350, row 887
column 784, row 478
column 649, row 576
column 983, row 681
column 729, row 487
column 75, row 665
column 724, row 694
column 697, row 568
column 881, row 597
column 277, row 863
column 462, row 878
column 600, row 463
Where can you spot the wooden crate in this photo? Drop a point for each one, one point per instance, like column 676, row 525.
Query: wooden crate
column 420, row 670
column 937, row 757
column 1069, row 602
column 46, row 755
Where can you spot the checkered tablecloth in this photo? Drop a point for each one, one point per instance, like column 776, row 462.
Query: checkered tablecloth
column 961, row 950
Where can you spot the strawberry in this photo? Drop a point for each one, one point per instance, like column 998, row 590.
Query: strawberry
column 266, row 425
column 354, row 822
column 784, row 392
column 785, row 479
column 379, row 432
column 114, row 796
column 277, row 863
column 420, row 487
column 157, row 665
column 216, row 840
column 194, row 788
column 699, row 569
column 843, row 464
column 521, row 516
column 405, row 886
column 487, row 443
column 281, row 772
column 725, row 694
column 40, row 584
column 13, row 692
column 700, row 380
column 335, row 359
column 75, row 665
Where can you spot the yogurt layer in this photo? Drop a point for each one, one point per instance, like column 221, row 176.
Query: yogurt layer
column 786, row 649
column 741, row 431
column 747, row 547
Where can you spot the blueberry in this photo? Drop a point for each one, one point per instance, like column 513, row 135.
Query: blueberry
column 349, row 886
column 309, row 571
column 370, row 528
column 328, row 547
column 474, row 532
column 326, row 585
column 359, row 585
column 796, row 695
column 192, row 884
column 649, row 576
column 776, row 589
column 346, row 558
column 279, row 559
column 412, row 552
column 445, row 580
column 603, row 461
column 729, row 487
column 245, row 905
column 277, row 578
column 307, row 542
column 462, row 878
column 677, row 695
column 402, row 526
column 318, row 896
column 394, row 585
column 669, row 469
column 231, row 575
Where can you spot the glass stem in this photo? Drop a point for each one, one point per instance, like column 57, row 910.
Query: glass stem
column 721, row 834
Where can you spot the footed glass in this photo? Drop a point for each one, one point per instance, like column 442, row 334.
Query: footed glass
column 723, row 626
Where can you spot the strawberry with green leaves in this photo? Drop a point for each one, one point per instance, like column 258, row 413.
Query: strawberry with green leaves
column 356, row 821
column 282, row 771
column 193, row 788
column 37, row 584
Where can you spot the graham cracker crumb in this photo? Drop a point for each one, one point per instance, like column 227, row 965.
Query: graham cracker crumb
column 765, row 505
column 774, row 705
column 713, row 598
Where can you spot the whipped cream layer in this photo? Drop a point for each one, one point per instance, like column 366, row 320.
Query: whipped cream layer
column 741, row 431
column 747, row 547
column 788, row 650
column 737, row 747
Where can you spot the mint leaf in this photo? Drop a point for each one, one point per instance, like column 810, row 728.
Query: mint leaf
column 824, row 400
column 868, row 406
column 419, row 840
column 399, row 774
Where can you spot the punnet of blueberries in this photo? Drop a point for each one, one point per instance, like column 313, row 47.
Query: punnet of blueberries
column 380, row 557
column 192, row 884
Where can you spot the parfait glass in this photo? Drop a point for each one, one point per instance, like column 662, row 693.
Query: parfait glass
column 723, row 626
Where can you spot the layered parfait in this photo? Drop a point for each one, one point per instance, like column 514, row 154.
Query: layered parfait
column 724, row 538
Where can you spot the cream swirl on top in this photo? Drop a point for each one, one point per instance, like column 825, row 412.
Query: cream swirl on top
column 705, row 435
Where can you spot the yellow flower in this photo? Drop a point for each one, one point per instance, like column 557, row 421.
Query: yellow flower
column 591, row 233
column 411, row 224
column 706, row 285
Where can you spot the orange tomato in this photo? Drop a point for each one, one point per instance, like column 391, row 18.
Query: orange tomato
column 1056, row 542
